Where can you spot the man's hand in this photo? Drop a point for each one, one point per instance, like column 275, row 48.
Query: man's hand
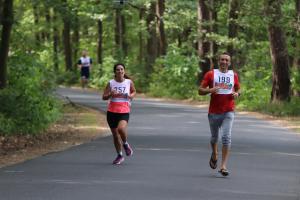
column 235, row 94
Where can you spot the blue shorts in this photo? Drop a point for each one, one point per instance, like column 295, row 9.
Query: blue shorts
column 221, row 123
column 85, row 72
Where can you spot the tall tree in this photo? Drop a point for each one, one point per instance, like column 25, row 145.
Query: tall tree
column 46, row 33
column 67, row 35
column 120, row 29
column 142, row 12
column 162, row 45
column 76, row 38
column 214, row 29
column 234, row 7
column 7, row 22
column 55, row 40
column 152, row 40
column 100, row 41
column 141, row 55
column 296, row 63
column 281, row 88
column 1, row 10
column 204, row 45
column 35, row 7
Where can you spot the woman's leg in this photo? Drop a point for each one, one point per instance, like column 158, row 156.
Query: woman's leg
column 122, row 129
column 117, row 140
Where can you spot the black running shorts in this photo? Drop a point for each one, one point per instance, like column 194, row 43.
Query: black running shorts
column 113, row 119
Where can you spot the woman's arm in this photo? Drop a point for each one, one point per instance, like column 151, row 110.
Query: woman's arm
column 106, row 93
column 132, row 91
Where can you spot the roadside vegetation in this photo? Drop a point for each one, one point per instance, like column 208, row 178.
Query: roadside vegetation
column 167, row 47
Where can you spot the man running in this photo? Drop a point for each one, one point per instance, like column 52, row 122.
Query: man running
column 223, row 86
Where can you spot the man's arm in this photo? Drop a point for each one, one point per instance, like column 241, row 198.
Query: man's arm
column 91, row 62
column 237, row 90
column 79, row 65
column 206, row 90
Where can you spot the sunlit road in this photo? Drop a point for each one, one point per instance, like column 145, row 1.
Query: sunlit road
column 170, row 161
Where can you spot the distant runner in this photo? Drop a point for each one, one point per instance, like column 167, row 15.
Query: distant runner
column 85, row 65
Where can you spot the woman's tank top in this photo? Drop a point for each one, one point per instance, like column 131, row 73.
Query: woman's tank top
column 120, row 103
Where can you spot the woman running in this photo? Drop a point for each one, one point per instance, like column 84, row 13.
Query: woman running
column 120, row 92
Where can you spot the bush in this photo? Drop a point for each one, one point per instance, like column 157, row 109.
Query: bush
column 175, row 76
column 291, row 108
column 68, row 78
column 27, row 103
column 101, row 77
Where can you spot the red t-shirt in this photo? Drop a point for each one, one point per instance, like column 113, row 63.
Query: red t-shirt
column 219, row 103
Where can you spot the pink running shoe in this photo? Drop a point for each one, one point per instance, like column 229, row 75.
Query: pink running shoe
column 119, row 159
column 128, row 149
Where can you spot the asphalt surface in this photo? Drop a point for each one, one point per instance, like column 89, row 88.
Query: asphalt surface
column 170, row 161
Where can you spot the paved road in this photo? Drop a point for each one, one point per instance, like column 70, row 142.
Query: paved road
column 170, row 161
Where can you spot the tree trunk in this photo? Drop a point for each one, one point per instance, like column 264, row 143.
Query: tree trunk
column 161, row 29
column 67, row 45
column 67, row 37
column 1, row 10
column 76, row 40
column 36, row 23
column 296, row 63
column 203, row 44
column 100, row 41
column 7, row 22
column 121, row 44
column 55, row 41
column 234, row 8
column 281, row 88
column 184, row 35
column 152, row 41
column 48, row 21
column 214, row 29
column 141, row 37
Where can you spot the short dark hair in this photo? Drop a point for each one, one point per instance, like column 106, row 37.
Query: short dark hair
column 225, row 53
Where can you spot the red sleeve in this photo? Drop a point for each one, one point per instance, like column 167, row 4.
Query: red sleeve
column 236, row 82
column 207, row 80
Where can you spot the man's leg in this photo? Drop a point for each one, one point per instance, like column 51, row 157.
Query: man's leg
column 225, row 156
column 226, row 137
column 214, row 123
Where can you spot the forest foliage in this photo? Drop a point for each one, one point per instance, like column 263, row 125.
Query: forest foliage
column 165, row 45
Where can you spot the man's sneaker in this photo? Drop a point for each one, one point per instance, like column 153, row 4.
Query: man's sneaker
column 119, row 159
column 128, row 149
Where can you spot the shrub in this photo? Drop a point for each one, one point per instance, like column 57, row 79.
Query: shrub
column 175, row 76
column 27, row 103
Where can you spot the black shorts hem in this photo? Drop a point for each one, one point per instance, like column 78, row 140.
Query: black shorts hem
column 113, row 119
